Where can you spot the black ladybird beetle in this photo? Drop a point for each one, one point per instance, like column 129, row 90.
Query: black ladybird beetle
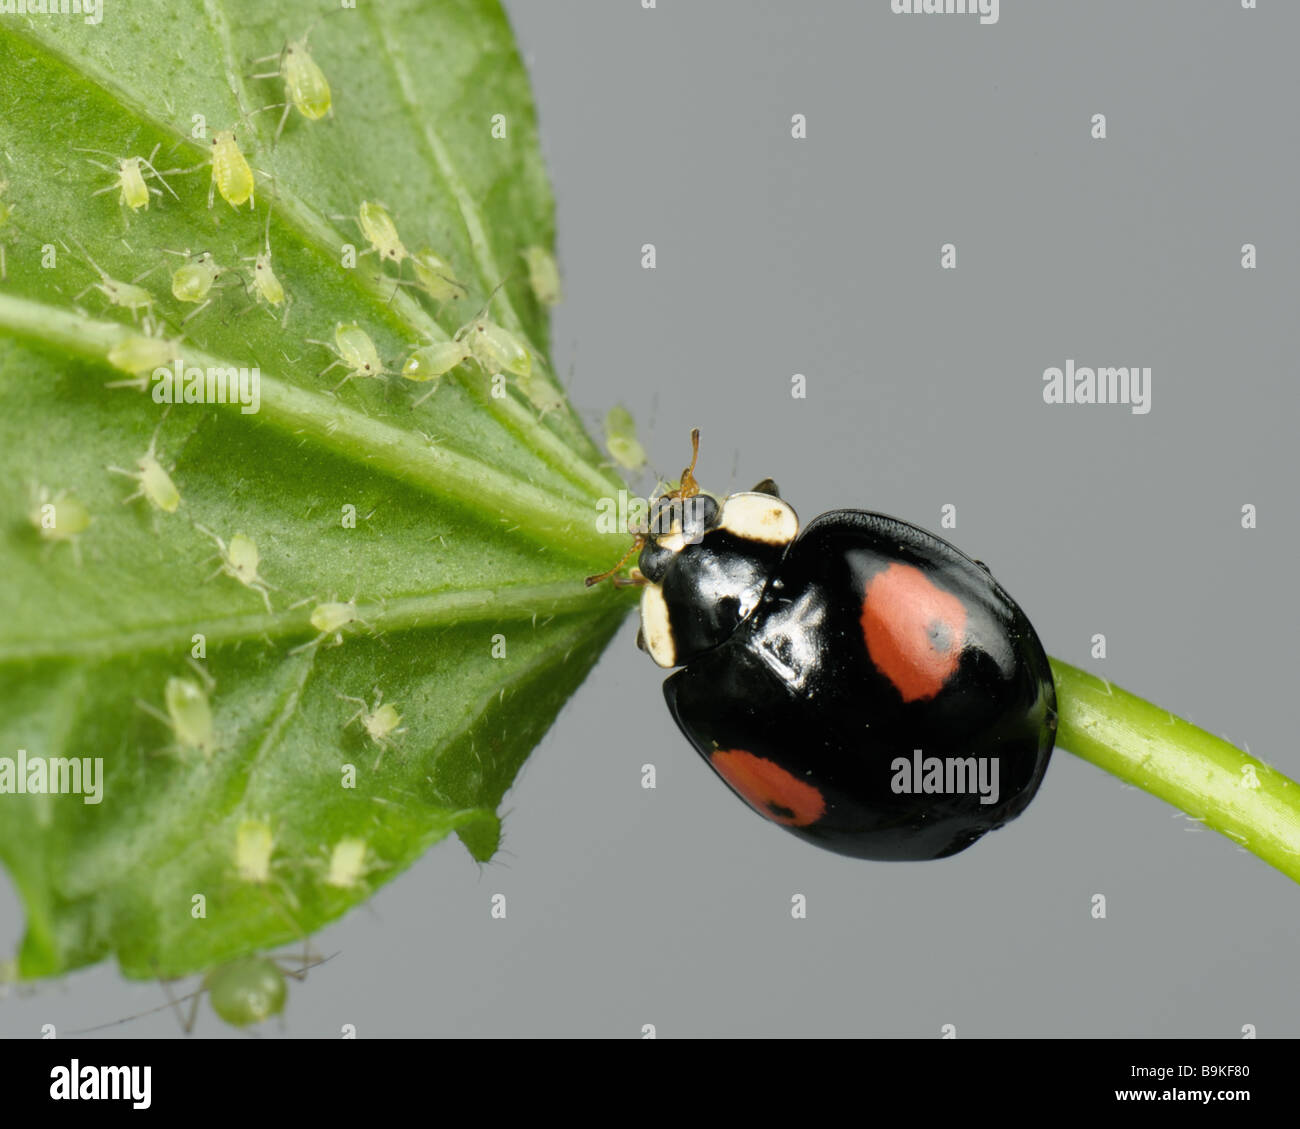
column 860, row 681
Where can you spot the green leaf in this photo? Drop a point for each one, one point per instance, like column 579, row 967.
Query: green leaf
column 475, row 513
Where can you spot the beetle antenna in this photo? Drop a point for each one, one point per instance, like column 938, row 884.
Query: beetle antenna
column 638, row 543
column 689, row 487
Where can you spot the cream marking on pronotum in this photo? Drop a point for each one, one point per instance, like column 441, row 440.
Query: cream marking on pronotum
column 656, row 630
column 759, row 517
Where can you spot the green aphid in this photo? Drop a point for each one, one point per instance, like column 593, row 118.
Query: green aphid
column 621, row 441
column 434, row 275
column 495, row 347
column 543, row 275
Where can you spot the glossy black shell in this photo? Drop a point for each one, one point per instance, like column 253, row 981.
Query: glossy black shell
column 796, row 689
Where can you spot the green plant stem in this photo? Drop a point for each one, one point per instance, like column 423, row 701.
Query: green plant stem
column 1212, row 781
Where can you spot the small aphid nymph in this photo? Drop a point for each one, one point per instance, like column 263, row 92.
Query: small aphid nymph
column 127, row 295
column 541, row 393
column 496, row 348
column 193, row 281
column 266, row 286
column 434, row 275
column 240, row 560
column 156, row 484
column 349, row 863
column 188, row 716
column 130, row 184
column 430, row 363
column 254, row 845
column 305, row 85
column 543, row 275
column 332, row 618
column 621, row 441
column 355, row 351
column 58, row 518
column 381, row 233
column 380, row 721
column 141, row 355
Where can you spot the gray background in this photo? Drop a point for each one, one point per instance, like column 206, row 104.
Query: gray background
column 820, row 257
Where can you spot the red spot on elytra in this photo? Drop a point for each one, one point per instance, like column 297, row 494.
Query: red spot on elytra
column 914, row 631
column 769, row 789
